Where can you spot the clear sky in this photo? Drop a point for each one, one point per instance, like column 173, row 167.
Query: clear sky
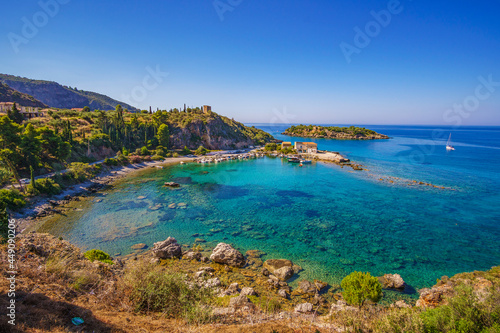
column 269, row 61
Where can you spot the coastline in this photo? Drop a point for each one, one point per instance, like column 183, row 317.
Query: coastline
column 42, row 206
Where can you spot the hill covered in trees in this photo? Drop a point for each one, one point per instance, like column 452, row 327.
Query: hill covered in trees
column 50, row 143
column 7, row 94
column 334, row 132
column 55, row 95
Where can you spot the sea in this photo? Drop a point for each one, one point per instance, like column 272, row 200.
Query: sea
column 417, row 209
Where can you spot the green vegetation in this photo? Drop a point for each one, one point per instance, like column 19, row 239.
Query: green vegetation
column 11, row 199
column 153, row 289
column 270, row 147
column 465, row 312
column 201, row 151
column 4, row 223
column 351, row 132
column 98, row 255
column 43, row 186
column 359, row 287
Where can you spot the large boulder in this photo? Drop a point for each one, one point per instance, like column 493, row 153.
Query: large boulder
column 284, row 273
column 167, row 249
column 240, row 302
column 304, row 308
column 307, row 287
column 248, row 291
column 282, row 268
column 274, row 264
column 393, row 281
column 226, row 254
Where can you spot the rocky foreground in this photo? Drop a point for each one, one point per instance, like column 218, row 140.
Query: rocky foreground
column 56, row 282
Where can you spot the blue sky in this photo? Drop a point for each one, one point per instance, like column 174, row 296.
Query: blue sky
column 269, row 61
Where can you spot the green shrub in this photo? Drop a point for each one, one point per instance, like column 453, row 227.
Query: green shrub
column 157, row 158
column 175, row 155
column 185, row 151
column 81, row 171
column 271, row 147
column 464, row 313
column 122, row 159
column 110, row 162
column 12, row 199
column 144, row 151
column 99, row 255
column 4, row 224
column 359, row 287
column 153, row 289
column 44, row 186
column 201, row 151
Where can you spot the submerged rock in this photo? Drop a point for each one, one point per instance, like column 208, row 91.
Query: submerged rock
column 274, row 264
column 226, row 254
column 172, row 184
column 167, row 249
column 140, row 246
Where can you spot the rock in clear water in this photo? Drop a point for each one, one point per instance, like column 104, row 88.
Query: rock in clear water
column 226, row 254
column 284, row 273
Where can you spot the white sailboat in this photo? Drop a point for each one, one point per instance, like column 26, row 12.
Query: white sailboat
column 448, row 144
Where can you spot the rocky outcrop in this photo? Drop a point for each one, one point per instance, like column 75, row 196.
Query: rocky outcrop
column 228, row 255
column 167, row 249
column 281, row 268
column 240, row 302
column 304, row 308
column 430, row 298
column 213, row 131
column 392, row 281
column 248, row 291
column 284, row 273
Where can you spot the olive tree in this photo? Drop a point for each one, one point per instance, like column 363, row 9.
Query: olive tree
column 359, row 287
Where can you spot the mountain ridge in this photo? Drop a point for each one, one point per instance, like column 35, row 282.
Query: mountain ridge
column 56, row 95
column 8, row 94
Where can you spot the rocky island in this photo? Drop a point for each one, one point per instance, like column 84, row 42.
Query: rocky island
column 334, row 132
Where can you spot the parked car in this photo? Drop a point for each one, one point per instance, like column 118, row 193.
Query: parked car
column 25, row 181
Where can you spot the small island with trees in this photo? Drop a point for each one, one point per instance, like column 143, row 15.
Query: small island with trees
column 334, row 132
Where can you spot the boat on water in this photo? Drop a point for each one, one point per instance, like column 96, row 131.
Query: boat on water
column 305, row 161
column 448, row 144
column 293, row 160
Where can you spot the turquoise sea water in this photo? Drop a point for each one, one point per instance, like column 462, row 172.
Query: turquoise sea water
column 329, row 220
